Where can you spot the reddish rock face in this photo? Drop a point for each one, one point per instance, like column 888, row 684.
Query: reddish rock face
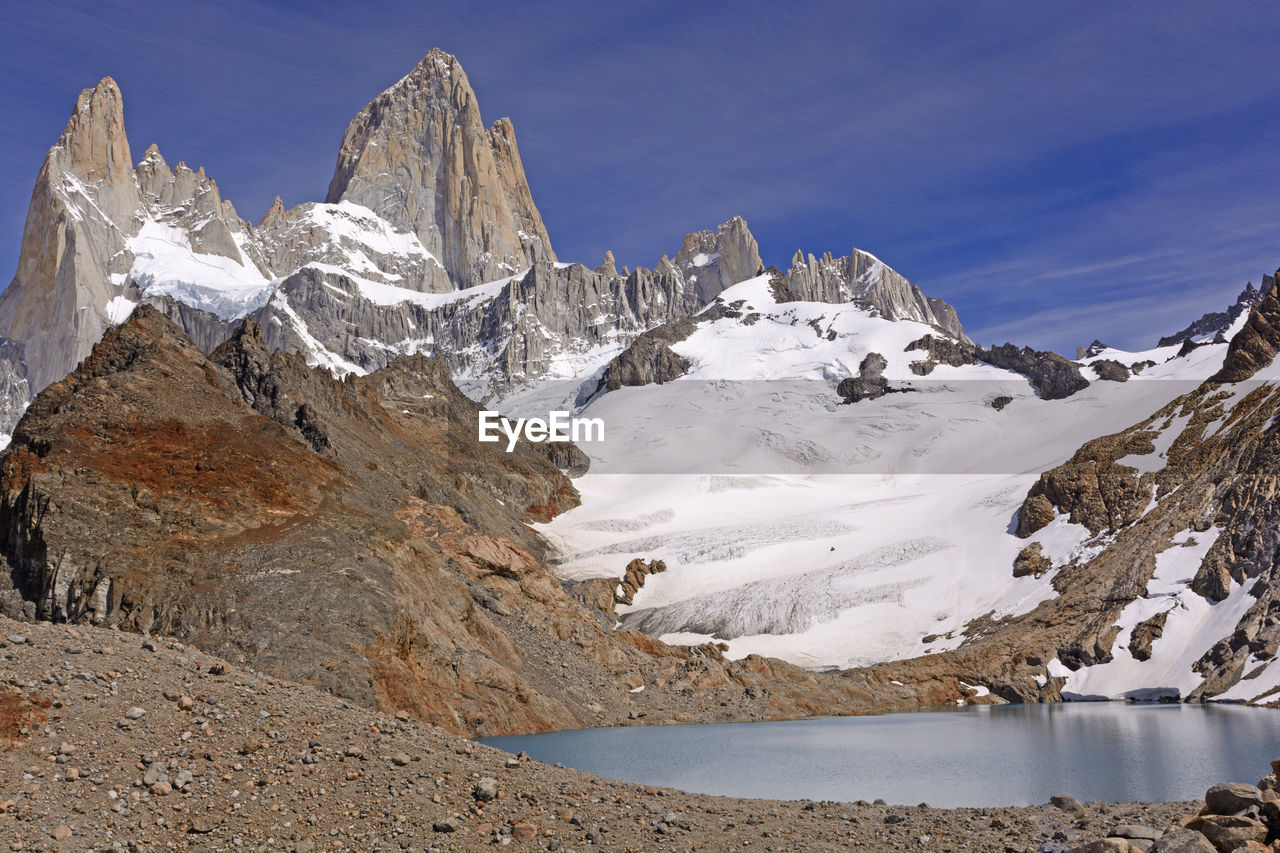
column 253, row 505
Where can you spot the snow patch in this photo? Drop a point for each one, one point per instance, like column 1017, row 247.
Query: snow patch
column 118, row 309
column 166, row 265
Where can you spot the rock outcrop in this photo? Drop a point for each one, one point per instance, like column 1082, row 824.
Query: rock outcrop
column 940, row 350
column 420, row 157
column 1110, row 370
column 1256, row 345
column 1091, row 488
column 1053, row 376
column 870, row 382
column 1031, row 561
column 649, row 359
column 633, row 578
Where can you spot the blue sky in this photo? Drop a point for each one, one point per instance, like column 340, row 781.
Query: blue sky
column 1059, row 172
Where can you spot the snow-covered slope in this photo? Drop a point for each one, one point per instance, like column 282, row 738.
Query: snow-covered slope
column 829, row 534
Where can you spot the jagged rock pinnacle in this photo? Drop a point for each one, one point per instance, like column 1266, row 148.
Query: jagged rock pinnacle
column 419, row 156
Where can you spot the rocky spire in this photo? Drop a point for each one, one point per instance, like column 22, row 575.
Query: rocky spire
column 714, row 260
column 608, row 266
column 419, row 156
column 84, row 207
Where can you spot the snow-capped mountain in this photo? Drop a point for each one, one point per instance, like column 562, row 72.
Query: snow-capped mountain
column 429, row 242
column 830, row 470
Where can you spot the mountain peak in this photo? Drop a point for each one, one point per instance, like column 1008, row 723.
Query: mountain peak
column 420, row 157
column 713, row 261
column 1215, row 324
column 93, row 145
column 436, row 72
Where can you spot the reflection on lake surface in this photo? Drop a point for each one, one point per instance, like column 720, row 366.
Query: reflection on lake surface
column 978, row 756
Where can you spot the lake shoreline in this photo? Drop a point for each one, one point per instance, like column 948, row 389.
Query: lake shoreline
column 279, row 764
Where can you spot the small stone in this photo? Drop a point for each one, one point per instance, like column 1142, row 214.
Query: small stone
column 186, row 703
column 149, row 645
column 65, row 748
column 17, row 640
column 201, row 825
column 513, row 762
column 162, row 788
column 400, row 759
column 486, row 789
column 135, row 713
column 61, row 832
column 1135, row 830
column 449, row 824
column 524, row 831
column 73, row 774
column 1067, row 803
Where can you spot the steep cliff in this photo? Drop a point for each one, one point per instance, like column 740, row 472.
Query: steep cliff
column 84, row 208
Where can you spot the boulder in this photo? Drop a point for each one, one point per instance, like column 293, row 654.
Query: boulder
column 1031, row 561
column 1228, row 832
column 1179, row 840
column 1231, row 798
column 1144, row 634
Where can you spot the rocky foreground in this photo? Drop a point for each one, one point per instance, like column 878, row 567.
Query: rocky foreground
column 113, row 740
